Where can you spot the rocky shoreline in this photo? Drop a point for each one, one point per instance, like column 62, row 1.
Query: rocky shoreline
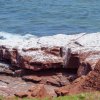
column 39, row 67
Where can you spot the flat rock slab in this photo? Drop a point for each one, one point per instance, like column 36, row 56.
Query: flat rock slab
column 54, row 79
column 9, row 86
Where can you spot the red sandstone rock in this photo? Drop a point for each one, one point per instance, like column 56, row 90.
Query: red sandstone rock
column 32, row 78
column 39, row 91
column 21, row 95
column 84, row 69
column 61, row 92
column 37, row 60
column 74, row 61
column 92, row 81
column 4, row 54
column 54, row 50
column 89, row 56
column 45, row 58
column 52, row 81
column 88, row 83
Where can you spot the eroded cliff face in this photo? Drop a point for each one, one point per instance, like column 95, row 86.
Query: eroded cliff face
column 43, row 53
column 88, row 83
column 52, row 61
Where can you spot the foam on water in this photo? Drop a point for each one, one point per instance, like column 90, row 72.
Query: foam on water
column 91, row 40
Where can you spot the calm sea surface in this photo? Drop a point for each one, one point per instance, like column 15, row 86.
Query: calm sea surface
column 48, row 17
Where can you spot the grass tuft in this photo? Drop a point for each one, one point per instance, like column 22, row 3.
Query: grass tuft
column 82, row 96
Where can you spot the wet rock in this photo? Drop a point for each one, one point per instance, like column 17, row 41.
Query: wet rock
column 2, row 38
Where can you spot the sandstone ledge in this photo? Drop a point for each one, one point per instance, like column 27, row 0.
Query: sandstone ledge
column 30, row 58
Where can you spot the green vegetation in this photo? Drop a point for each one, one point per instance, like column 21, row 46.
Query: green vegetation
column 83, row 96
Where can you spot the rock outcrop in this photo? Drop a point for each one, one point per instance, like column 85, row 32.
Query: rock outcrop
column 43, row 58
column 88, row 83
column 31, row 58
column 58, row 51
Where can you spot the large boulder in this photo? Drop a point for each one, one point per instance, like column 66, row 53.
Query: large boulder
column 36, row 53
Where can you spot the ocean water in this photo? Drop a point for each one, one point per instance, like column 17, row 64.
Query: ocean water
column 49, row 17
